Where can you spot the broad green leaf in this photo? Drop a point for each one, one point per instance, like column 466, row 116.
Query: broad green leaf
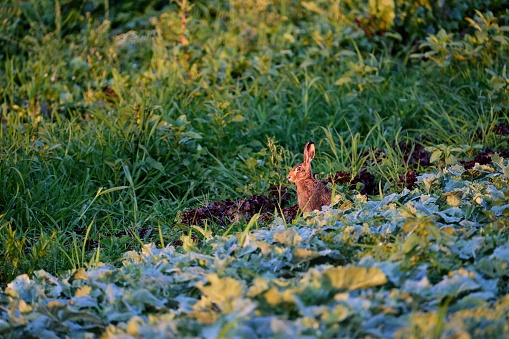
column 411, row 242
column 206, row 317
column 468, row 249
column 338, row 314
column 181, row 120
column 259, row 286
column 24, row 307
column 154, row 164
column 134, row 325
column 143, row 297
column 251, row 162
column 288, row 237
column 312, row 6
column 497, row 160
column 188, row 243
column 454, row 285
column 302, row 254
column 422, row 325
column 266, row 248
column 238, row 118
column 343, row 81
column 484, row 168
column 451, row 215
column 83, row 291
column 80, row 274
column 275, row 297
column 19, row 287
column 351, row 277
column 472, row 174
column 193, row 135
column 501, row 253
column 453, row 198
column 506, row 171
column 435, row 156
column 450, row 160
column 222, row 291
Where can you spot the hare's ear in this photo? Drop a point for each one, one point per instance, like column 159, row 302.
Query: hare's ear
column 309, row 151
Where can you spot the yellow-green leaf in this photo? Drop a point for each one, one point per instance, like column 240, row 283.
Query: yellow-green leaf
column 238, row 118
column 302, row 254
column 453, row 200
column 83, row 291
column 471, row 174
column 222, row 291
column 352, row 278
column 343, row 81
column 435, row 156
column 260, row 285
column 80, row 274
column 288, row 237
column 312, row 6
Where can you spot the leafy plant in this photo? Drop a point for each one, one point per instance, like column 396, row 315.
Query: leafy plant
column 499, row 82
column 483, row 47
column 437, row 272
column 448, row 155
column 191, row 104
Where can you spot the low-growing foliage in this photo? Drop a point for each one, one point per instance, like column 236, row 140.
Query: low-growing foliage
column 124, row 123
column 431, row 261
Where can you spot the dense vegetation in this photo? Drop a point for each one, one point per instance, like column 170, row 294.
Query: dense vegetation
column 124, row 124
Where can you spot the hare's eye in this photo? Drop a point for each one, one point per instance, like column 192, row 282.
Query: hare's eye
column 299, row 169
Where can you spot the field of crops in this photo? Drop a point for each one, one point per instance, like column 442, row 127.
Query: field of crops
column 144, row 153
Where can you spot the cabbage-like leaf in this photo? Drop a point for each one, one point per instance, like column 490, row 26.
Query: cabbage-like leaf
column 351, row 278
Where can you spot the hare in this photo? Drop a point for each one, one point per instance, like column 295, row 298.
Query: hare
column 311, row 193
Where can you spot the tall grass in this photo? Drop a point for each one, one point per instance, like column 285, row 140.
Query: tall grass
column 111, row 126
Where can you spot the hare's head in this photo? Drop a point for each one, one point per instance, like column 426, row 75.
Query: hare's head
column 303, row 171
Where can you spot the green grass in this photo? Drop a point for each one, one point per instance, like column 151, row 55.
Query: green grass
column 222, row 114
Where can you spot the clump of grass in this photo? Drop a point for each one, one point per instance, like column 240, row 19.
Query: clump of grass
column 178, row 112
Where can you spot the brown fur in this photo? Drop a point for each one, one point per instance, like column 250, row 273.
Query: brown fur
column 311, row 193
